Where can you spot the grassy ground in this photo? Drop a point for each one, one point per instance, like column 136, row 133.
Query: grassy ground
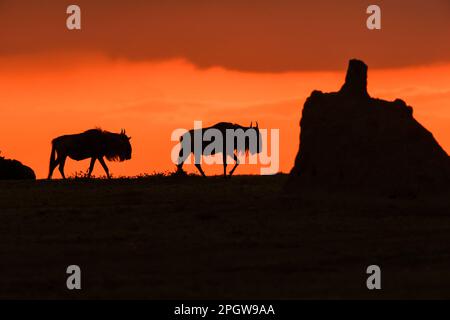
column 168, row 237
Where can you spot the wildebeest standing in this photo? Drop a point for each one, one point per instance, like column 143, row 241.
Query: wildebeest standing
column 95, row 144
column 238, row 146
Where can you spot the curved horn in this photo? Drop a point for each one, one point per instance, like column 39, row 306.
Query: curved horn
column 257, row 126
column 251, row 124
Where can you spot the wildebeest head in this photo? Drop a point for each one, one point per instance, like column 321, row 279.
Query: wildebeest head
column 126, row 150
column 254, row 146
column 119, row 147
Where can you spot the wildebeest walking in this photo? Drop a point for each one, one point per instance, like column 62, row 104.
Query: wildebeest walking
column 95, row 144
column 236, row 140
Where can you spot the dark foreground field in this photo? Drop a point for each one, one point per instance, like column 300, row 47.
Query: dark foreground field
column 167, row 237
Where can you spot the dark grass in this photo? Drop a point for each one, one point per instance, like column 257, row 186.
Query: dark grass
column 169, row 237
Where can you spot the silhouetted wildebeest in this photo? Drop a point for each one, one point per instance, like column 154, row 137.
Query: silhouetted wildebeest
column 236, row 140
column 15, row 170
column 95, row 144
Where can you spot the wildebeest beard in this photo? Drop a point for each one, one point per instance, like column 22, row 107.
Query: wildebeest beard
column 117, row 147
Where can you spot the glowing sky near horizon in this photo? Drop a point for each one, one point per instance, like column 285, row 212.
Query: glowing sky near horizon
column 50, row 98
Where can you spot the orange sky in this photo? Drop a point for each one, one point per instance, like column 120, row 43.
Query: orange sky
column 46, row 96
column 162, row 66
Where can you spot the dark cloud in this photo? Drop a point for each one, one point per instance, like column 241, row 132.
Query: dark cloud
column 265, row 36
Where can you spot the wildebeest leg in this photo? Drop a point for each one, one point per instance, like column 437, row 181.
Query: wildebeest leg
column 52, row 168
column 224, row 165
column 181, row 159
column 53, row 165
column 102, row 162
column 91, row 166
column 200, row 169
column 235, row 166
column 62, row 163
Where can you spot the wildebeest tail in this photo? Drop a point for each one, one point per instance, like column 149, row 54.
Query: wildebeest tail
column 52, row 155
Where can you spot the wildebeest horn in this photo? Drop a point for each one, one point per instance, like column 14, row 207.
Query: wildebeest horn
column 257, row 125
column 251, row 124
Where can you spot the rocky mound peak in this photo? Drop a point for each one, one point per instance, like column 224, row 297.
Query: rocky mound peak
column 356, row 79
